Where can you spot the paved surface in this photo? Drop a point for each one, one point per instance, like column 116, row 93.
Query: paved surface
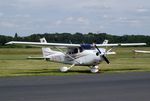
column 95, row 87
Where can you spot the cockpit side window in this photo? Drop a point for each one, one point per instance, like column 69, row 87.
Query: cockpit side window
column 75, row 50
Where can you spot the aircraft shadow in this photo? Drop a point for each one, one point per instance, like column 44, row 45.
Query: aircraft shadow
column 51, row 71
column 57, row 72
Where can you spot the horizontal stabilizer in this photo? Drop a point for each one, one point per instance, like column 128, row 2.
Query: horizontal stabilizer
column 37, row 58
column 110, row 53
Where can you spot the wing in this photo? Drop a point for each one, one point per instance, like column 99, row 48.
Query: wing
column 39, row 44
column 43, row 44
column 121, row 44
column 141, row 51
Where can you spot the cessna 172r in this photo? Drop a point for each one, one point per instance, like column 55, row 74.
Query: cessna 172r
column 77, row 54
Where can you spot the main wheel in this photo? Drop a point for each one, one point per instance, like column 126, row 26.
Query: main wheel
column 64, row 69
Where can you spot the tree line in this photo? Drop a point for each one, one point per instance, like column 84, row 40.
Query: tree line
column 77, row 38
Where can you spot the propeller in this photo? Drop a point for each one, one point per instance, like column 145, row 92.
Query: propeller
column 103, row 56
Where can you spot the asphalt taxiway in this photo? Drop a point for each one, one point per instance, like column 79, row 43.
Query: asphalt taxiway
column 92, row 87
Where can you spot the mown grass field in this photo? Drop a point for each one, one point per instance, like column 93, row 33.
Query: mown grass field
column 13, row 62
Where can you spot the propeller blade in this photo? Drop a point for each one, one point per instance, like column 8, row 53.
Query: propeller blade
column 103, row 56
column 98, row 49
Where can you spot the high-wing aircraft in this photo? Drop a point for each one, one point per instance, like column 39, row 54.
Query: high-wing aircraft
column 77, row 54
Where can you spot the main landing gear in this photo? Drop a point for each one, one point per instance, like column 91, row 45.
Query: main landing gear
column 65, row 69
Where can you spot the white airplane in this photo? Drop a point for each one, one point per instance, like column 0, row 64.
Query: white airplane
column 141, row 51
column 77, row 54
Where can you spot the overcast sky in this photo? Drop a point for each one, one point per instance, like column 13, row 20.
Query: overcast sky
column 116, row 17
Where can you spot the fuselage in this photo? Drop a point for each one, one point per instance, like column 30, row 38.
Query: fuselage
column 84, row 58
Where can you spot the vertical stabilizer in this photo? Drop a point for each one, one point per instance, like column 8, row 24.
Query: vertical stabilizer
column 46, row 51
column 105, row 42
column 43, row 40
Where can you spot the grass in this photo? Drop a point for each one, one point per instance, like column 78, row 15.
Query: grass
column 13, row 62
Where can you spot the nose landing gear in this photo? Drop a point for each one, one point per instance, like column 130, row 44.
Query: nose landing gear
column 94, row 69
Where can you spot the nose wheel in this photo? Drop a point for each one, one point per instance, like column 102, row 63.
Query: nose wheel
column 94, row 69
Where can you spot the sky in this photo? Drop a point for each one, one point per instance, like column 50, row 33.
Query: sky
column 117, row 17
